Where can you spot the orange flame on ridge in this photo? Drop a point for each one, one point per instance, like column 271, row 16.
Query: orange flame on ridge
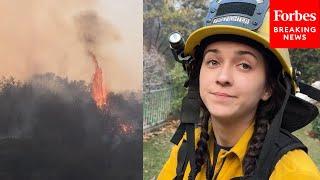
column 98, row 89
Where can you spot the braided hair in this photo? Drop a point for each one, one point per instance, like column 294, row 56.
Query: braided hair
column 264, row 114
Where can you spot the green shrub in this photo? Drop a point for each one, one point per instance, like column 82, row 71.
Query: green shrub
column 178, row 76
column 316, row 127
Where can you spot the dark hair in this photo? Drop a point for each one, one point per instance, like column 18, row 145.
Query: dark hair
column 264, row 114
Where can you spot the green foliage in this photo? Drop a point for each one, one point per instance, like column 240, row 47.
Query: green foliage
column 179, row 77
column 316, row 127
column 161, row 17
column 308, row 62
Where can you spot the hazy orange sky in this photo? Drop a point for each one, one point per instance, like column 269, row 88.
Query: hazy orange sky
column 39, row 36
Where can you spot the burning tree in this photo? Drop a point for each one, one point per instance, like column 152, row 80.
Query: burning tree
column 98, row 89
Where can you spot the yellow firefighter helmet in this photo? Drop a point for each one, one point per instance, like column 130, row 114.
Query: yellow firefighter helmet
column 245, row 18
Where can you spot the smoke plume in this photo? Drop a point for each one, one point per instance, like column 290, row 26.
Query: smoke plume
column 39, row 36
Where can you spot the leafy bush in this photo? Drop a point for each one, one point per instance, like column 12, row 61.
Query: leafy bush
column 179, row 77
column 316, row 127
column 307, row 61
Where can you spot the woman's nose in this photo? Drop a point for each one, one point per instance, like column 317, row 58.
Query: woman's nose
column 224, row 76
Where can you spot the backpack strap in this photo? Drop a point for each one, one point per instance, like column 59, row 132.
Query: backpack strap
column 182, row 160
column 190, row 111
column 285, row 143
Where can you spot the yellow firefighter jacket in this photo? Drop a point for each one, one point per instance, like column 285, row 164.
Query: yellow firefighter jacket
column 296, row 164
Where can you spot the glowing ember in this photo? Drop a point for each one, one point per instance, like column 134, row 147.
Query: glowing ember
column 98, row 90
column 126, row 128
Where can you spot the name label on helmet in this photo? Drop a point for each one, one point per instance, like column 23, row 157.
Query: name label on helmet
column 239, row 19
column 295, row 24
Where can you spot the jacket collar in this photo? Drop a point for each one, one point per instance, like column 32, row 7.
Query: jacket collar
column 240, row 148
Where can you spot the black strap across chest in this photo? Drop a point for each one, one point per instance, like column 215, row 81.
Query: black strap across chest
column 285, row 143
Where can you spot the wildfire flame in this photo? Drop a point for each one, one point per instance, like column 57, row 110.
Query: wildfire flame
column 98, row 89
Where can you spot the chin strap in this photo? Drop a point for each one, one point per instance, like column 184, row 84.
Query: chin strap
column 272, row 134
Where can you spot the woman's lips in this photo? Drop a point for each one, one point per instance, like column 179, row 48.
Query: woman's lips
column 221, row 94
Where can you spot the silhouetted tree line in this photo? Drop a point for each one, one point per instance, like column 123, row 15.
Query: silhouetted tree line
column 50, row 129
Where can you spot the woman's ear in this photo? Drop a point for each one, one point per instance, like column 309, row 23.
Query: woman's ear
column 267, row 94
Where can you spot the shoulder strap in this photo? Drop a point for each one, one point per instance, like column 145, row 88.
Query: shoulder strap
column 186, row 153
column 285, row 143
column 189, row 116
column 182, row 160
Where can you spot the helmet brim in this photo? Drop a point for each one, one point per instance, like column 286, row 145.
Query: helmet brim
column 298, row 113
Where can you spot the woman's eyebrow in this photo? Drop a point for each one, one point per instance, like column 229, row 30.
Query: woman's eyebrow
column 211, row 50
column 247, row 52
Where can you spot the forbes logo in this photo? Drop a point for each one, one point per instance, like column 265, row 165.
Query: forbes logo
column 279, row 15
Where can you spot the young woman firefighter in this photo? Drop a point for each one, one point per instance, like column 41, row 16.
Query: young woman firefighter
column 242, row 93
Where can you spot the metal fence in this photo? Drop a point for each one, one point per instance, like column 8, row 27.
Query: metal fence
column 156, row 106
